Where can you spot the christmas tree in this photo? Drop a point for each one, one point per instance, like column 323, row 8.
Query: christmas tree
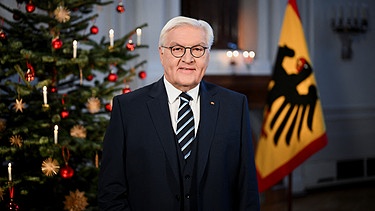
column 54, row 106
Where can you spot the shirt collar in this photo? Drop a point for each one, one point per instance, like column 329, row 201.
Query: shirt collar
column 173, row 93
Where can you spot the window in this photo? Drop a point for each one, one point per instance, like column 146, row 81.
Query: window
column 222, row 15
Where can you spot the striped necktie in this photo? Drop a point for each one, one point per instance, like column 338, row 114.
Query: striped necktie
column 185, row 125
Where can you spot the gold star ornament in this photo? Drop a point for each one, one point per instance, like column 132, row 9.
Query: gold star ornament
column 76, row 201
column 50, row 167
column 19, row 105
column 78, row 131
column 93, row 105
column 16, row 140
column 3, row 124
column 2, row 193
column 62, row 14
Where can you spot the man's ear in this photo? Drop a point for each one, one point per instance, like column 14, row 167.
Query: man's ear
column 161, row 52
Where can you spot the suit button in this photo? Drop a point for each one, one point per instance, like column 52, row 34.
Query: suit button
column 187, row 176
column 187, row 196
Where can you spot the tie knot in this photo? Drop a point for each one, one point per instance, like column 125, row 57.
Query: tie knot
column 185, row 97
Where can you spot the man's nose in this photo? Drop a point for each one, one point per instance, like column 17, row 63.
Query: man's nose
column 188, row 57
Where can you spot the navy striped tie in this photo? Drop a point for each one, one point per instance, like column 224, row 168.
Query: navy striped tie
column 185, row 125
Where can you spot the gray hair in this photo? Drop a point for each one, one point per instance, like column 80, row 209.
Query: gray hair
column 185, row 21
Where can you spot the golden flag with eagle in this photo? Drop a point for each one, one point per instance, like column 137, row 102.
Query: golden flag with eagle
column 293, row 127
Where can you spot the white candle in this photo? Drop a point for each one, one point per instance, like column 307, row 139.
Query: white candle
column 10, row 171
column 56, row 132
column 75, row 44
column 139, row 34
column 111, row 36
column 45, row 95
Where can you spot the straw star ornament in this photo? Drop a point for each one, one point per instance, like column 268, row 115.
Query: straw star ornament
column 50, row 167
column 19, row 105
column 16, row 140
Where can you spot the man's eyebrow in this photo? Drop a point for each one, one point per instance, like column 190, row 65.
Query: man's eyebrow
column 175, row 43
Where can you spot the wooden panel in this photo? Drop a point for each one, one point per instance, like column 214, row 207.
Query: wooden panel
column 254, row 87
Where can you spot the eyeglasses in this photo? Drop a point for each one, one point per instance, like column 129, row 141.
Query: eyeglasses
column 179, row 51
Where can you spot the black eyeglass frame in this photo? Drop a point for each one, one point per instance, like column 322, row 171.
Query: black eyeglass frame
column 191, row 52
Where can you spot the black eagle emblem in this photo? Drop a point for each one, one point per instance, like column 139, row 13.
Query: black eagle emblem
column 286, row 85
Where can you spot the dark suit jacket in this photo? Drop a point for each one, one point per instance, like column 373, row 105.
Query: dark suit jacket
column 139, row 167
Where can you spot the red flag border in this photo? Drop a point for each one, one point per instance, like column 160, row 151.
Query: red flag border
column 284, row 170
column 293, row 3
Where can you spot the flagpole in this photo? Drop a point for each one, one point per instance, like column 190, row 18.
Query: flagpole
column 289, row 193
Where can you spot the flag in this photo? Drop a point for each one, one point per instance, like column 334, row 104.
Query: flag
column 293, row 126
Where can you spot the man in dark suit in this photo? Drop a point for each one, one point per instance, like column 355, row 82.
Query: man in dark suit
column 147, row 164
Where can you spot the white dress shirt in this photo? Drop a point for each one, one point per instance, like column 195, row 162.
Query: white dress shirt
column 174, row 102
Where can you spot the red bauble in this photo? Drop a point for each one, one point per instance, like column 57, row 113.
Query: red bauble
column 126, row 90
column 66, row 172
column 53, row 89
column 94, row 29
column 142, row 74
column 90, row 77
column 112, row 77
column 130, row 46
column 30, row 7
column 3, row 36
column 120, row 8
column 57, row 43
column 64, row 114
column 108, row 107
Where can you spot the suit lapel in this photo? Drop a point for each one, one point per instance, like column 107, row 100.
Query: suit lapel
column 159, row 112
column 160, row 115
column 209, row 112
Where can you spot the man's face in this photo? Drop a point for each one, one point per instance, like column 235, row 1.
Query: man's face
column 186, row 72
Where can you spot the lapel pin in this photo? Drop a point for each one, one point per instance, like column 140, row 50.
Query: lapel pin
column 212, row 103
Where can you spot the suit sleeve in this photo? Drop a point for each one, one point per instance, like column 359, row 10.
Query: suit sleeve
column 112, row 193
column 248, row 185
